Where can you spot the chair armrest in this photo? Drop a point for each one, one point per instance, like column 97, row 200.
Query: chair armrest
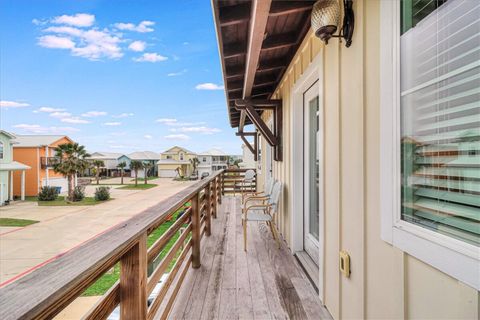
column 254, row 198
column 258, row 206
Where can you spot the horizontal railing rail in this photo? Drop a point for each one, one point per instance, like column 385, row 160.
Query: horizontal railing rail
column 48, row 290
column 233, row 181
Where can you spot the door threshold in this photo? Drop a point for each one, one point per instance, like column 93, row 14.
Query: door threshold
column 309, row 267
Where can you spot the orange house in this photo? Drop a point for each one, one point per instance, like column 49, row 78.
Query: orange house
column 35, row 151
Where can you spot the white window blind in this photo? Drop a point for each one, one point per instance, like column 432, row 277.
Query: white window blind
column 440, row 112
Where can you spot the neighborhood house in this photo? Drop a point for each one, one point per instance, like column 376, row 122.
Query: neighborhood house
column 37, row 152
column 173, row 158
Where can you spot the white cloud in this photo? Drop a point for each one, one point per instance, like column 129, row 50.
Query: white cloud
column 167, row 121
column 55, row 42
column 174, row 74
column 92, row 114
column 177, row 137
column 208, row 86
column 60, row 115
column 74, row 120
column 202, row 130
column 137, row 46
column 142, row 27
column 147, row 136
column 77, row 20
column 92, row 44
column 112, row 124
column 49, row 110
column 123, row 115
column 150, row 57
column 36, row 128
column 13, row 104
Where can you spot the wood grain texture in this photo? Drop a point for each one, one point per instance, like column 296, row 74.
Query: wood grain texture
column 104, row 307
column 263, row 283
column 196, row 238
column 133, row 281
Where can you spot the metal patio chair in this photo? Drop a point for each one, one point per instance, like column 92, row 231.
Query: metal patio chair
column 264, row 212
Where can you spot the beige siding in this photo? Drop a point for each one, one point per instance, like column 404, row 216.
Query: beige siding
column 385, row 282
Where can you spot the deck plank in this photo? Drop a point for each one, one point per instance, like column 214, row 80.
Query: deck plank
column 263, row 283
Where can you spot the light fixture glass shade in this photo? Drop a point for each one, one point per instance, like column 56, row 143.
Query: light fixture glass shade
column 325, row 18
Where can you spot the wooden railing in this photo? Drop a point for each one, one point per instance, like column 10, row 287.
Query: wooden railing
column 233, row 181
column 48, row 290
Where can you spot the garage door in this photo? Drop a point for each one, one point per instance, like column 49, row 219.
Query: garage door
column 56, row 182
column 164, row 173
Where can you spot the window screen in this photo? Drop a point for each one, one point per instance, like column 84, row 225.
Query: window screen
column 440, row 112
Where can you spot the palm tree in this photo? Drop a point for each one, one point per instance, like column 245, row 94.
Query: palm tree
column 136, row 165
column 122, row 166
column 71, row 158
column 194, row 162
column 146, row 166
column 98, row 164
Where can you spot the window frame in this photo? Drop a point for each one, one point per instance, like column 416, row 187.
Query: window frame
column 2, row 150
column 454, row 257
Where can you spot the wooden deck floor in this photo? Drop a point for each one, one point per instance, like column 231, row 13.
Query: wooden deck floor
column 263, row 283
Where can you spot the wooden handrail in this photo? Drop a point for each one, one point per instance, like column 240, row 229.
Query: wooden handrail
column 48, row 290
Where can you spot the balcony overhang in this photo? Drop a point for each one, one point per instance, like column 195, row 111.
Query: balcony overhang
column 257, row 40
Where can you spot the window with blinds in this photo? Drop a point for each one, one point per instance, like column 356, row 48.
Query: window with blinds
column 440, row 112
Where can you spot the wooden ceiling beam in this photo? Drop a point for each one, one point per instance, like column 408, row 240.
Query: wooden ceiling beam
column 236, row 14
column 280, row 8
column 278, row 41
column 258, row 23
column 272, row 65
column 235, row 71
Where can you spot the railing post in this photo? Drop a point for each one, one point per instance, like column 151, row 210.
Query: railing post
column 222, row 182
column 213, row 198
column 196, row 232
column 208, row 209
column 133, row 281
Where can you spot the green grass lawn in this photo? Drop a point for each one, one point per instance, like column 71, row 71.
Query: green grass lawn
column 107, row 280
column 10, row 222
column 140, row 186
column 60, row 201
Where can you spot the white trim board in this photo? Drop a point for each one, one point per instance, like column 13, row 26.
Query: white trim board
column 313, row 74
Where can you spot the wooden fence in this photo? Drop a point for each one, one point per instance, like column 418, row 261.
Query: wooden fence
column 46, row 291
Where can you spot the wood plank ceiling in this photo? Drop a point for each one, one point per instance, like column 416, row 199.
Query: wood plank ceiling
column 277, row 40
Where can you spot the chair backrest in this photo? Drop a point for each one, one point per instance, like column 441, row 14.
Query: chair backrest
column 269, row 186
column 275, row 196
column 249, row 175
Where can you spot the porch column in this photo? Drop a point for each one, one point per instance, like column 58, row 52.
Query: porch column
column 10, row 195
column 23, row 186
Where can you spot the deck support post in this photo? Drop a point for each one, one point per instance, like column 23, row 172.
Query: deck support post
column 133, row 281
column 213, row 198
column 196, row 237
column 208, row 209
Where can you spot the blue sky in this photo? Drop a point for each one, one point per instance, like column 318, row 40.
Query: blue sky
column 114, row 75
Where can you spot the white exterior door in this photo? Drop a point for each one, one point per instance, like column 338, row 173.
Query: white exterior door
column 166, row 173
column 311, row 165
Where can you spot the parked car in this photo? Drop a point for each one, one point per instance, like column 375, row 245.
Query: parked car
column 205, row 174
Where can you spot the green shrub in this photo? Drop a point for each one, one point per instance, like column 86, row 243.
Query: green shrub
column 47, row 194
column 78, row 193
column 102, row 193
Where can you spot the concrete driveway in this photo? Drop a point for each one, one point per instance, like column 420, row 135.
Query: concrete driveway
column 61, row 229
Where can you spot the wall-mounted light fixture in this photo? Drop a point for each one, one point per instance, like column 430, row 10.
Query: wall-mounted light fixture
column 326, row 18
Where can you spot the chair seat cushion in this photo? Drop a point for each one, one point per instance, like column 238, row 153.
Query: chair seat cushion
column 258, row 215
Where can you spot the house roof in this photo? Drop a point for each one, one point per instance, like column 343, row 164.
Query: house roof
column 168, row 151
column 254, row 61
column 14, row 165
column 213, row 152
column 144, row 155
column 37, row 140
column 106, row 155
column 8, row 134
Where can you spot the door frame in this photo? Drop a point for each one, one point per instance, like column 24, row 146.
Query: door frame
column 312, row 74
